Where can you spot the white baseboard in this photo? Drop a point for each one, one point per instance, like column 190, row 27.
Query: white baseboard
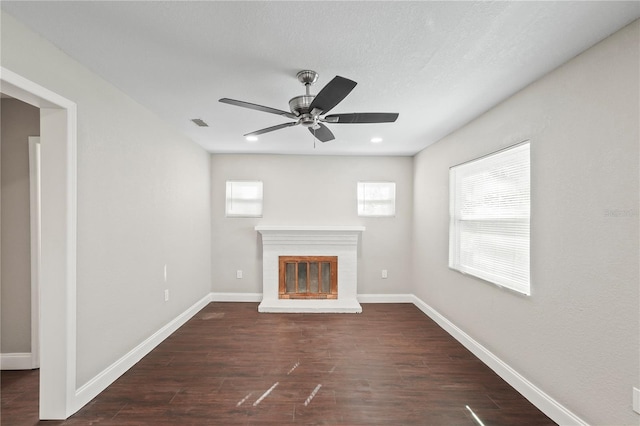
column 100, row 382
column 236, row 297
column 385, row 298
column 557, row 412
column 16, row 361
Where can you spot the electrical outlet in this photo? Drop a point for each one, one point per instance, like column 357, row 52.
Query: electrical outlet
column 636, row 400
column 166, row 295
column 384, row 274
column 239, row 274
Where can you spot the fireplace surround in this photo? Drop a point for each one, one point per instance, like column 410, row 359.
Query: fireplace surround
column 339, row 241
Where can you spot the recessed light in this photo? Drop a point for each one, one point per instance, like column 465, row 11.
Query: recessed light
column 252, row 138
column 376, row 140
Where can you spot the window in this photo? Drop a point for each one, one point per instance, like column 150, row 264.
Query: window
column 244, row 199
column 489, row 218
column 376, row 199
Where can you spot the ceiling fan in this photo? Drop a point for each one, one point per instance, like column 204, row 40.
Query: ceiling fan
column 310, row 110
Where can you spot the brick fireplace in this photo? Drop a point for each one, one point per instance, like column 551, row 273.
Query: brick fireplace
column 306, row 243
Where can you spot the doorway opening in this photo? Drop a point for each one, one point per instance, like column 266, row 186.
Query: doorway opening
column 57, row 341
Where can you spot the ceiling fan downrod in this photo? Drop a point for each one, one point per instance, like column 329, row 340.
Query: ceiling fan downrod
column 307, row 77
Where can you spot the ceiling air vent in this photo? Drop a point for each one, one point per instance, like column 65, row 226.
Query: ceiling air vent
column 199, row 122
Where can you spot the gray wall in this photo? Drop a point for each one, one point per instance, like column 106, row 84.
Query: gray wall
column 18, row 122
column 312, row 190
column 143, row 202
column 577, row 335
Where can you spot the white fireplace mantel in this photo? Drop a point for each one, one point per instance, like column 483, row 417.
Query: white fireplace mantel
column 340, row 241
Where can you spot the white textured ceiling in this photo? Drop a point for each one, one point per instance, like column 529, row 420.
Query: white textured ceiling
column 438, row 64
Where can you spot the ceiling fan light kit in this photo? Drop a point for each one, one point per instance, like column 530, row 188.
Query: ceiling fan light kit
column 310, row 110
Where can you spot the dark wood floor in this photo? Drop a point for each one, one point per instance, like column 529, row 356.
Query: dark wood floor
column 390, row 365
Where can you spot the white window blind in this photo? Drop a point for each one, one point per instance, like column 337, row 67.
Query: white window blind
column 376, row 198
column 244, row 199
column 489, row 218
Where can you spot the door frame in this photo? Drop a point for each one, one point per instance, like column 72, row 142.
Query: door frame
column 35, row 214
column 58, row 132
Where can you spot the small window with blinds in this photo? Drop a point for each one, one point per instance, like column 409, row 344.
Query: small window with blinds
column 377, row 199
column 244, row 199
column 489, row 218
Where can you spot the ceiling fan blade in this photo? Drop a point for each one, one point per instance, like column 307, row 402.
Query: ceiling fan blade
column 258, row 107
column 362, row 117
column 332, row 94
column 271, row 129
column 322, row 133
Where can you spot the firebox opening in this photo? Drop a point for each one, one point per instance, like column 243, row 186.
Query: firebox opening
column 308, row 277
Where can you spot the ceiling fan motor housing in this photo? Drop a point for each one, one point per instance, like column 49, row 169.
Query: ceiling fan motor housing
column 300, row 104
column 300, row 107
